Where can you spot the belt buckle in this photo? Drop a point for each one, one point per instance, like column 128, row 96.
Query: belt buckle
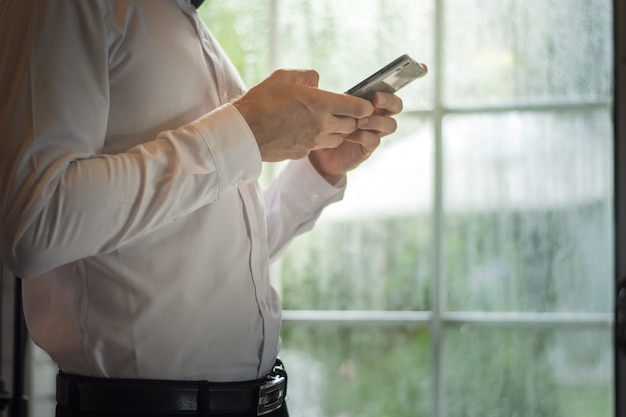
column 271, row 395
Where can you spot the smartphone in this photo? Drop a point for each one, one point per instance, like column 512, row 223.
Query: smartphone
column 390, row 78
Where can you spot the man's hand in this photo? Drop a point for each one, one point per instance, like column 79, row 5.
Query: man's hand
column 289, row 116
column 333, row 164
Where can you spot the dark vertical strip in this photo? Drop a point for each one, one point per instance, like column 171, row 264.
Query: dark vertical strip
column 19, row 404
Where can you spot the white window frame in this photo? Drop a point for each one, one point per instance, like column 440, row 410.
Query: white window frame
column 438, row 319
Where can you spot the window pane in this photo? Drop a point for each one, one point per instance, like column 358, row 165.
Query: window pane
column 243, row 30
column 350, row 39
column 494, row 373
column 371, row 251
column 365, row 372
column 526, row 50
column 528, row 211
column 396, row 180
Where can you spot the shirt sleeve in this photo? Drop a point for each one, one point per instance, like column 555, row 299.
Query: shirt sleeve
column 294, row 201
column 62, row 199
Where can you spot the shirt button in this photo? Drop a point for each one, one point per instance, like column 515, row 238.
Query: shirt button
column 239, row 182
column 264, row 305
column 314, row 197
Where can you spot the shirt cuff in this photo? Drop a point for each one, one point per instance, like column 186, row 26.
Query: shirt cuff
column 306, row 188
column 232, row 145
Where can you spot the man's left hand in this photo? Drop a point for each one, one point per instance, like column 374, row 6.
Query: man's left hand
column 333, row 163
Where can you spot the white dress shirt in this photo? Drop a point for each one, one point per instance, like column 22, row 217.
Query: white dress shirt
column 129, row 198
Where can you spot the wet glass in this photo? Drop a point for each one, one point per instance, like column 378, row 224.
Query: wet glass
column 365, row 372
column 555, row 373
column 346, row 41
column 372, row 250
column 243, row 30
column 499, row 52
column 527, row 206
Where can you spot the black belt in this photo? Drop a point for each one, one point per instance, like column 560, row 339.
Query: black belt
column 259, row 397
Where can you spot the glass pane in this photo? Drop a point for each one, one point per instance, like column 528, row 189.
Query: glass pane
column 528, row 211
column 365, row 372
column 350, row 39
column 243, row 30
column 526, row 50
column 494, row 373
column 396, row 180
column 41, row 375
column 372, row 250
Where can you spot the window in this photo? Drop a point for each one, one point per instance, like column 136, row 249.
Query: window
column 468, row 272
column 469, row 269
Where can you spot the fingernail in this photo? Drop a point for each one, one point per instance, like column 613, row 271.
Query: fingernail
column 363, row 122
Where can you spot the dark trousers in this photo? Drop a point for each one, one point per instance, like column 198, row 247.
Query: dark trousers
column 79, row 396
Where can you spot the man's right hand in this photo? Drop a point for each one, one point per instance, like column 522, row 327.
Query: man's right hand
column 289, row 116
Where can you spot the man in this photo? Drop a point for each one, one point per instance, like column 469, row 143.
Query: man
column 129, row 201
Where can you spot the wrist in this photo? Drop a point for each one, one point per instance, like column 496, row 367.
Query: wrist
column 331, row 178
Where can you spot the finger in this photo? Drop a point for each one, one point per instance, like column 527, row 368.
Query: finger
column 342, row 125
column 383, row 125
column 329, row 141
column 347, row 105
column 367, row 139
column 385, row 103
